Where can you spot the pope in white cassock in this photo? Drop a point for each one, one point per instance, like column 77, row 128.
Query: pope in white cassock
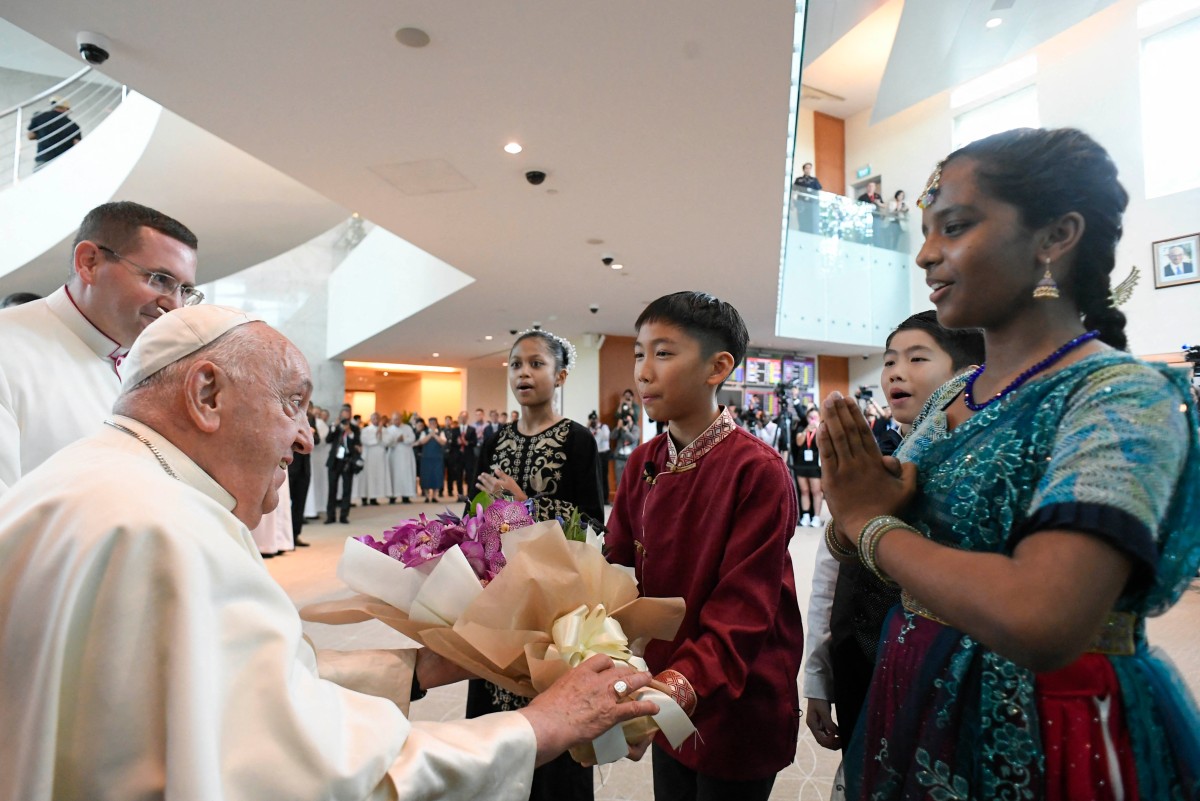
column 145, row 652
column 400, row 439
column 60, row 357
column 375, row 481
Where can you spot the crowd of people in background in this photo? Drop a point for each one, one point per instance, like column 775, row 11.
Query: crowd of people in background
column 398, row 457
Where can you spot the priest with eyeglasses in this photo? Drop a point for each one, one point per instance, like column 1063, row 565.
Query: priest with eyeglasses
column 61, row 358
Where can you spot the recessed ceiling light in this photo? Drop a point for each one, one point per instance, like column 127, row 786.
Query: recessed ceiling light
column 412, row 37
column 616, row 265
column 994, row 22
column 385, row 372
column 504, row 364
column 512, row 147
column 488, row 337
column 436, row 355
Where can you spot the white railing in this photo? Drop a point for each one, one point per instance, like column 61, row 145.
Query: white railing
column 91, row 97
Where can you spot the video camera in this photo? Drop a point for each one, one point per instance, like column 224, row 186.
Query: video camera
column 1192, row 355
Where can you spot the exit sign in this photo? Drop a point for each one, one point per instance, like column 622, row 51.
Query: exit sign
column 863, row 172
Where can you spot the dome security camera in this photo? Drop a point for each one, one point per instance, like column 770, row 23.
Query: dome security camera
column 535, row 177
column 94, row 48
column 512, row 331
column 594, row 308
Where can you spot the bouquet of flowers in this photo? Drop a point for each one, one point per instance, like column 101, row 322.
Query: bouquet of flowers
column 512, row 600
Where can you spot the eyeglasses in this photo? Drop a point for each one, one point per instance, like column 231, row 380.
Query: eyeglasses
column 161, row 283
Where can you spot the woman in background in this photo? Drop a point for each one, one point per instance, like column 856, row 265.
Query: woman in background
column 432, row 443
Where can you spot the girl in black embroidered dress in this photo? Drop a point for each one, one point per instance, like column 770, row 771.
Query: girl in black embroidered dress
column 553, row 460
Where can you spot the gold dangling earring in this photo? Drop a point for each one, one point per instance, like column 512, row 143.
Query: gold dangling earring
column 1046, row 288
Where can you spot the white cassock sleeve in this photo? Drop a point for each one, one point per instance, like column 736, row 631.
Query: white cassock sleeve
column 146, row 652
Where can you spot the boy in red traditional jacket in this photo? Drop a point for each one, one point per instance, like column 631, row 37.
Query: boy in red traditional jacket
column 705, row 511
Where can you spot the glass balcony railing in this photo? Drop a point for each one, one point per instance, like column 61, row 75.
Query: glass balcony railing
column 34, row 132
column 845, row 273
column 839, row 217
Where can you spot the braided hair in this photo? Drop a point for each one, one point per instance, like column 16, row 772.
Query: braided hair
column 1047, row 173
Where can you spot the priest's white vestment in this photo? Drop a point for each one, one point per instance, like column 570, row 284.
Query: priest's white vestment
column 402, row 461
column 145, row 652
column 318, row 487
column 58, row 381
column 375, row 482
column 273, row 534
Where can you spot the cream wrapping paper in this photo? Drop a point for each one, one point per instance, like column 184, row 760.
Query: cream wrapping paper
column 504, row 632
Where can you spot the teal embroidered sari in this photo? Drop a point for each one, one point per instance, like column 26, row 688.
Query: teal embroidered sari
column 1106, row 446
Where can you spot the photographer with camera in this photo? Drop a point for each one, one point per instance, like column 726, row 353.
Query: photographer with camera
column 343, row 462
column 626, row 436
column 628, row 406
column 883, row 428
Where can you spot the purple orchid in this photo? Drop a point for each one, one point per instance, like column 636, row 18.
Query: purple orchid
column 415, row 542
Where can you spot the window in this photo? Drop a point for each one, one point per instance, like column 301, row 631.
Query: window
column 1016, row 110
column 1170, row 114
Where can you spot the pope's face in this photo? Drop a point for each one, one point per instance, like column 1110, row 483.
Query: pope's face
column 270, row 429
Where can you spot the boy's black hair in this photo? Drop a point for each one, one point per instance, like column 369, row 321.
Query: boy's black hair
column 715, row 324
column 963, row 346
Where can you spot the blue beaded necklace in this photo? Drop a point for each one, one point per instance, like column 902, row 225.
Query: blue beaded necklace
column 969, row 391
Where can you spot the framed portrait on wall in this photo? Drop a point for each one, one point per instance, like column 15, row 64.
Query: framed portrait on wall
column 1175, row 261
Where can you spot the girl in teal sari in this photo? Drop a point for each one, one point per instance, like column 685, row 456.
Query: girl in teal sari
column 1043, row 506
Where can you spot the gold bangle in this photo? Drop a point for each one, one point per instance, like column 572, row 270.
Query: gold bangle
column 839, row 552
column 868, row 543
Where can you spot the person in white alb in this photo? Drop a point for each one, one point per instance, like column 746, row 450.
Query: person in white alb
column 375, row 483
column 401, row 459
column 318, row 488
column 60, row 356
column 145, row 652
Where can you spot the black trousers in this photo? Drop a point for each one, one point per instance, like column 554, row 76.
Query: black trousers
column 605, row 458
column 560, row 779
column 299, row 477
column 339, row 500
column 454, row 473
column 675, row 782
column 470, row 472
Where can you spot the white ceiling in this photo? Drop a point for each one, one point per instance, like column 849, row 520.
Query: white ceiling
column 662, row 127
column 20, row 50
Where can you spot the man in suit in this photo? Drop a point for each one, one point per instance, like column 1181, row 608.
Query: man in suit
column 1177, row 264
column 345, row 447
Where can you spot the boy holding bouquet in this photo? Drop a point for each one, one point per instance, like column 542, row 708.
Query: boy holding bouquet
column 705, row 511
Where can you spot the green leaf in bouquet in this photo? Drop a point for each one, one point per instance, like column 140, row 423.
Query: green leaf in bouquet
column 482, row 499
column 573, row 527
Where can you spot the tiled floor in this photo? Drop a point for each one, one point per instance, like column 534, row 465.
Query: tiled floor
column 310, row 575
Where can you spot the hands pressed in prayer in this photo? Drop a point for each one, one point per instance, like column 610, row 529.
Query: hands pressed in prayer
column 859, row 482
column 498, row 482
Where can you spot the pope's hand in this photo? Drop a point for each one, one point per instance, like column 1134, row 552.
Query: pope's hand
column 583, row 704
